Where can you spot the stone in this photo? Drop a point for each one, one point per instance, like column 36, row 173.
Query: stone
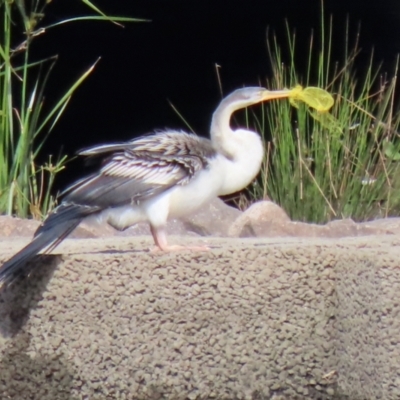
column 262, row 213
column 213, row 219
column 266, row 219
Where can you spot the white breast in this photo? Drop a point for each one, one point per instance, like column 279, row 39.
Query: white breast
column 240, row 170
column 186, row 199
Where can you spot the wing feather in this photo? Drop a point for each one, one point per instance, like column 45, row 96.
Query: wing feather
column 142, row 168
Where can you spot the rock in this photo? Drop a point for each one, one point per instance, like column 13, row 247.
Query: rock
column 259, row 215
column 262, row 219
column 213, row 219
column 266, row 219
column 19, row 227
column 11, row 227
column 347, row 227
column 390, row 225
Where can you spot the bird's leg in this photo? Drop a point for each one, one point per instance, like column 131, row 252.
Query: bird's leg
column 160, row 239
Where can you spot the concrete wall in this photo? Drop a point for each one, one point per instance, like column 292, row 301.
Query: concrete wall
column 251, row 319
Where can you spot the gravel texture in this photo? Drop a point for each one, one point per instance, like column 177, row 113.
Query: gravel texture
column 251, row 319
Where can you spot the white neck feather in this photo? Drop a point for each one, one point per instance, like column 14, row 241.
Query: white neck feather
column 241, row 150
column 221, row 133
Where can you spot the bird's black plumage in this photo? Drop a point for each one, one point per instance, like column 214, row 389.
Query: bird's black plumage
column 56, row 227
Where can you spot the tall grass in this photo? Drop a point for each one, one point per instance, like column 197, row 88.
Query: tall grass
column 25, row 186
column 319, row 171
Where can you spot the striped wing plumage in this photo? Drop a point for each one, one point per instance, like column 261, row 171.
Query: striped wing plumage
column 130, row 172
column 142, row 168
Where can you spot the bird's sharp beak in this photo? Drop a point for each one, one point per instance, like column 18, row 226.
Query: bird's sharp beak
column 275, row 94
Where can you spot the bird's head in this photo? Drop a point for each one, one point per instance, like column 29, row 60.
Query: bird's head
column 221, row 132
column 248, row 96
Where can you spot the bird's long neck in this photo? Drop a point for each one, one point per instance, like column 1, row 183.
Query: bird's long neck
column 220, row 132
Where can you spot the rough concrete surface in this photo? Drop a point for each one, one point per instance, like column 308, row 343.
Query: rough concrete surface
column 251, row 319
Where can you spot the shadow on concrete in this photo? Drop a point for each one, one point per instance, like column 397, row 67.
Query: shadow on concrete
column 23, row 295
column 29, row 376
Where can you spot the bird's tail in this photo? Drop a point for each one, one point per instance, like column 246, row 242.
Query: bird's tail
column 56, row 227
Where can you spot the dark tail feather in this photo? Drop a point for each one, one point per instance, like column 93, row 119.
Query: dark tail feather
column 57, row 226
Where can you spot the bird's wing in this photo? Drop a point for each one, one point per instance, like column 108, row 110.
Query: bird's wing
column 134, row 171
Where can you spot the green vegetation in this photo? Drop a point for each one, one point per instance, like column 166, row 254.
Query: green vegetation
column 315, row 169
column 318, row 170
column 25, row 187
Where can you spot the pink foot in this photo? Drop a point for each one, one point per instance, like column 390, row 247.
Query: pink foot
column 179, row 248
column 160, row 239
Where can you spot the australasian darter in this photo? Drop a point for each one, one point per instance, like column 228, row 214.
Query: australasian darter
column 153, row 178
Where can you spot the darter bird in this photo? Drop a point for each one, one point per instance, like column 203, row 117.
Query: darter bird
column 163, row 175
